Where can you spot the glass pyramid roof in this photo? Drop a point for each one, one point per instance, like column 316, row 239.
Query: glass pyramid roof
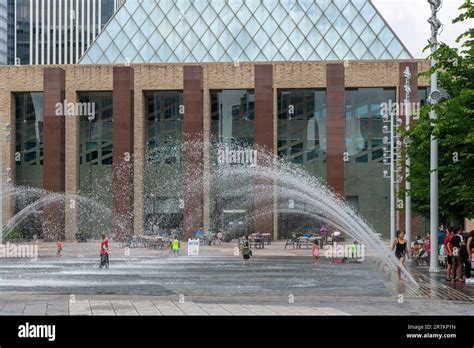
column 183, row 31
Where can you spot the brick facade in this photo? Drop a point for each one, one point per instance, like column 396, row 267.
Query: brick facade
column 285, row 75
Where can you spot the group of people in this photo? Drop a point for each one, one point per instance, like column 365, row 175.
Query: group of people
column 210, row 236
column 456, row 246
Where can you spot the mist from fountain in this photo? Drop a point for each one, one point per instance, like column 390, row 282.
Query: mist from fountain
column 263, row 183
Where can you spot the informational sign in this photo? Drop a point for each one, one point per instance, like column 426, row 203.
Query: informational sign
column 193, row 247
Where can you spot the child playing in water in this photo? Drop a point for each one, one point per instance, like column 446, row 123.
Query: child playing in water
column 175, row 246
column 104, row 252
column 315, row 252
column 59, row 247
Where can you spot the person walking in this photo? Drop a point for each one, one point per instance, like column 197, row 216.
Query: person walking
column 315, row 251
column 464, row 256
column 246, row 251
column 400, row 247
column 104, row 252
column 456, row 241
column 59, row 247
column 175, row 246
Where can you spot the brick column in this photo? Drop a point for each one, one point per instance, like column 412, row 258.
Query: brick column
column 139, row 164
column 123, row 132
column 413, row 99
column 206, row 155
column 54, row 151
column 335, row 127
column 264, row 139
column 193, row 149
column 73, row 127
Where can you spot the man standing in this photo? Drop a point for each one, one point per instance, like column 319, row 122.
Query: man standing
column 104, row 252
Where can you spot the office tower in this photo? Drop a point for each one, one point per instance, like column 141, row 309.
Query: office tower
column 57, row 31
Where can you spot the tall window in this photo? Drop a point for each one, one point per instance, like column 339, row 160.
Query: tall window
column 95, row 151
column 29, row 139
column 233, row 128
column 302, row 126
column 164, row 114
column 164, row 117
column 232, row 116
column 29, row 157
column 301, row 140
column 364, row 139
column 96, row 132
column 366, row 190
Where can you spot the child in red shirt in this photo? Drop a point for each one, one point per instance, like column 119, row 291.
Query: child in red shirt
column 104, row 252
column 59, row 247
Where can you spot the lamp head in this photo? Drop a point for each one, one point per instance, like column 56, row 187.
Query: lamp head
column 435, row 96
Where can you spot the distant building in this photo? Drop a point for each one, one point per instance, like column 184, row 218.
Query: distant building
column 55, row 31
column 3, row 32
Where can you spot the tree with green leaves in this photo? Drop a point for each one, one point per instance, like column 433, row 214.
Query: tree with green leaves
column 454, row 129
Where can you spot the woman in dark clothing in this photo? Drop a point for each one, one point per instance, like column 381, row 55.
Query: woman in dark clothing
column 401, row 248
column 464, row 254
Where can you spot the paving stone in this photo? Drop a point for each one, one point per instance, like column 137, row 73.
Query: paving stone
column 80, row 308
column 214, row 309
column 236, row 309
column 146, row 308
column 168, row 308
column 189, row 308
column 13, row 308
column 259, row 310
column 124, row 308
column 36, row 308
column 101, row 308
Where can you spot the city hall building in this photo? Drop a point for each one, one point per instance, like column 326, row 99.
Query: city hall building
column 302, row 79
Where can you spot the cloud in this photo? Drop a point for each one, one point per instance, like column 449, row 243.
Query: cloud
column 408, row 18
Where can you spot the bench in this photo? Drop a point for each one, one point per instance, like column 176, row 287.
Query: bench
column 257, row 245
column 293, row 242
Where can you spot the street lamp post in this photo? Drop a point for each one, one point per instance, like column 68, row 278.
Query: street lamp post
column 391, row 157
column 407, row 74
column 434, row 97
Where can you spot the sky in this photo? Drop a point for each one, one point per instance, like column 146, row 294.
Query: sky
column 408, row 18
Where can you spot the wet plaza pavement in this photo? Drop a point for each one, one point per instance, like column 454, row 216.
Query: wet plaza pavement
column 272, row 278
column 153, row 283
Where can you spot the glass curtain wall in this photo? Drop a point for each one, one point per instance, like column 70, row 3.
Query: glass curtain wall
column 366, row 190
column 95, row 151
column 29, row 137
column 302, row 141
column 232, row 129
column 163, row 174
